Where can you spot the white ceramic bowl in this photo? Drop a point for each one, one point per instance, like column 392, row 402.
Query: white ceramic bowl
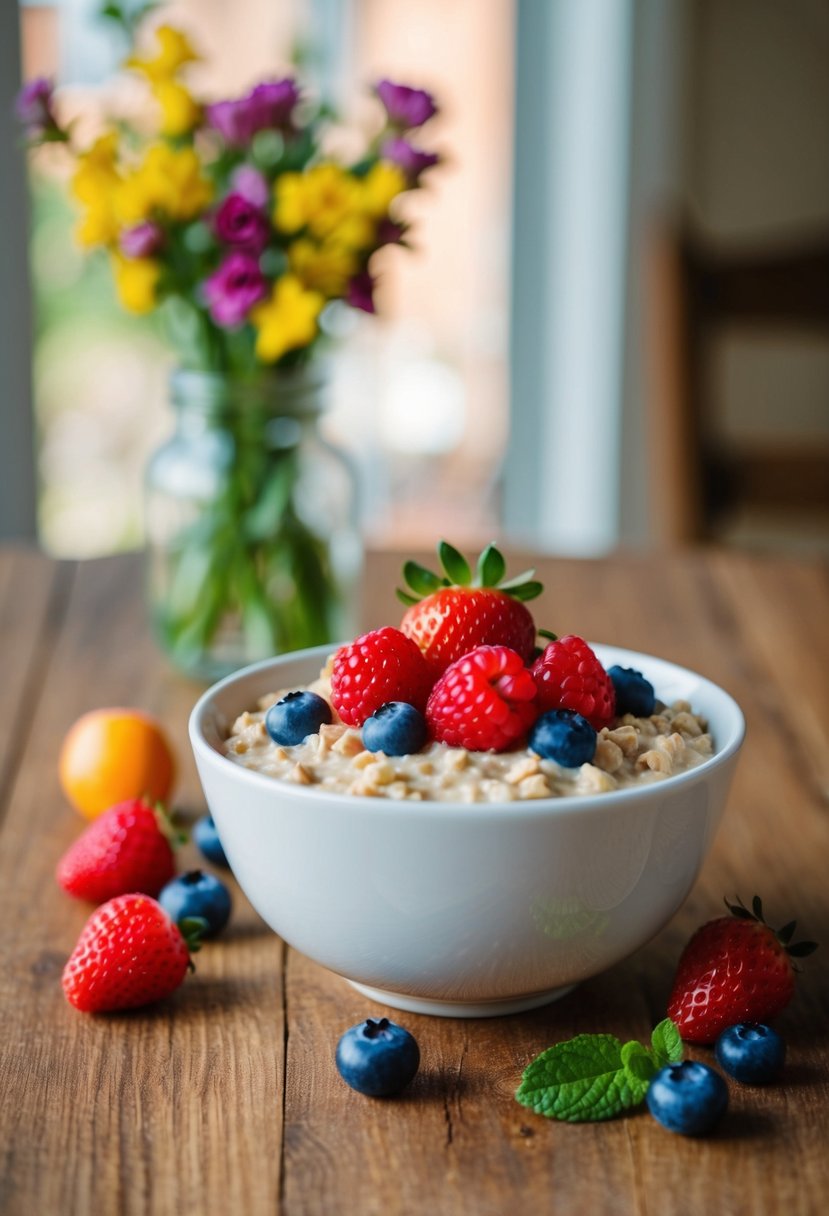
column 458, row 909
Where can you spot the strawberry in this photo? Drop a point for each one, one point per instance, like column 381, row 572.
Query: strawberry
column 124, row 849
column 569, row 676
column 378, row 667
column 484, row 701
column 459, row 613
column 129, row 953
column 734, row 969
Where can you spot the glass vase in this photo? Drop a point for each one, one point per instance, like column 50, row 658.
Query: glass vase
column 253, row 542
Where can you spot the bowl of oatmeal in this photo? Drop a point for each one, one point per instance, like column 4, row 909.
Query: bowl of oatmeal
column 457, row 882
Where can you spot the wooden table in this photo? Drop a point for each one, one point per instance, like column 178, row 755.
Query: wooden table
column 225, row 1099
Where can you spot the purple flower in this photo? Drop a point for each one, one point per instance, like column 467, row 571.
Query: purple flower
column 269, row 106
column 406, row 108
column 389, row 232
column 410, row 159
column 233, row 289
column 142, row 241
column 33, row 106
column 237, row 222
column 250, row 184
column 360, row 292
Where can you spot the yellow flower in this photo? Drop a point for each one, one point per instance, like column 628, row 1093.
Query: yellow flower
column 169, row 182
column 179, row 111
column 174, row 50
column 95, row 183
column 326, row 267
column 383, row 182
column 136, row 280
column 287, row 320
column 324, row 199
column 290, row 210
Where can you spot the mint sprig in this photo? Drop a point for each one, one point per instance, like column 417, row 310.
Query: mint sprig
column 595, row 1076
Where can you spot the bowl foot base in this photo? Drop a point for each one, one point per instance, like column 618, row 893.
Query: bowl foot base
column 461, row 1009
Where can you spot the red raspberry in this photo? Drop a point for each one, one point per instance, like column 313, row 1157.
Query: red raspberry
column 484, row 701
column 380, row 666
column 124, row 850
column 569, row 676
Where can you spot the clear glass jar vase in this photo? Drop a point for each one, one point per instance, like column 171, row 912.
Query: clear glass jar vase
column 253, row 541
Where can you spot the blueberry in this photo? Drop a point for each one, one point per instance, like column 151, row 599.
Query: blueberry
column 377, row 1058
column 751, row 1052
column 208, row 842
column 687, row 1098
column 634, row 694
column 563, row 736
column 197, row 894
column 396, row 728
column 298, row 715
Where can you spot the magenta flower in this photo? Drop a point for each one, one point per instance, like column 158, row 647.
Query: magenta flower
column 142, row 241
column 389, row 232
column 250, row 184
column 406, row 107
column 360, row 292
column 33, row 107
column 237, row 222
column 410, row 159
column 233, row 289
column 267, row 107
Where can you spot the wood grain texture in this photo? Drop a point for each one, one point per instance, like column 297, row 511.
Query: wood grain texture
column 225, row 1098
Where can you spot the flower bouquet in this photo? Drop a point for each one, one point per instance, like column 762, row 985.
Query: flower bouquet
column 232, row 220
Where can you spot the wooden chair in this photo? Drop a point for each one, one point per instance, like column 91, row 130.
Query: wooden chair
column 695, row 294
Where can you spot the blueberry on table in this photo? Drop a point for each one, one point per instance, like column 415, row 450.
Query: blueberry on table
column 396, row 728
column 751, row 1052
column 296, row 716
column 377, row 1058
column 634, row 694
column 687, row 1098
column 564, row 736
column 207, row 840
column 199, row 895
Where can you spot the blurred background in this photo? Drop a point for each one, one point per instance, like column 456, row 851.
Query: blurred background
column 614, row 331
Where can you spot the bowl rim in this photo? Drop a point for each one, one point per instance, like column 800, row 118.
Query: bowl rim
column 533, row 808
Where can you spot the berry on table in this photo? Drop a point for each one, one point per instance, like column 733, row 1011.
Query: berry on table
column 377, row 1058
column 129, row 953
column 380, row 666
column 634, row 694
column 484, row 701
column 460, row 611
column 563, row 736
column 207, row 841
column 734, row 969
column 396, row 728
column 751, row 1052
column 196, row 894
column 296, row 716
column 688, row 1098
column 569, row 676
column 123, row 850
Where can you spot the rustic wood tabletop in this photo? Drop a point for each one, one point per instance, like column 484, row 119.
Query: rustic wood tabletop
column 225, row 1097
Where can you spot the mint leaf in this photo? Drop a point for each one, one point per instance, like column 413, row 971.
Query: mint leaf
column 666, row 1044
column 582, row 1080
column 640, row 1067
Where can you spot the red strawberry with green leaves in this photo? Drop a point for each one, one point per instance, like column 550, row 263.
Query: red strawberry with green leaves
column 130, row 953
column 460, row 611
column 734, row 969
column 484, row 701
column 124, row 849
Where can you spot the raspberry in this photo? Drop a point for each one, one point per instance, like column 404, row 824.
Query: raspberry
column 484, row 701
column 380, row 666
column 569, row 676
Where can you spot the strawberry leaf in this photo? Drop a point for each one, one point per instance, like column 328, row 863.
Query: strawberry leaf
column 405, row 598
column 491, row 567
column 455, row 564
column 421, row 580
column 757, row 907
column 527, row 591
column 802, row 949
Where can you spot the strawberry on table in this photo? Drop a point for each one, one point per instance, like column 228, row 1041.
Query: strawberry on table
column 378, row 667
column 124, row 849
column 459, row 611
column 129, row 953
column 484, row 701
column 734, row 969
column 569, row 676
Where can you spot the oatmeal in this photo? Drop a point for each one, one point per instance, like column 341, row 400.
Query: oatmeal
column 630, row 751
